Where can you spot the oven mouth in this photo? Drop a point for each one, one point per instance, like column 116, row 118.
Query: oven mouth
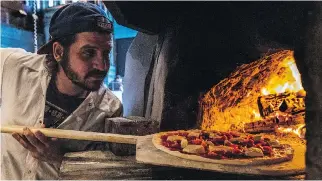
column 263, row 97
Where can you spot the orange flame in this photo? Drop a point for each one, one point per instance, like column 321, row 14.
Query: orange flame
column 257, row 115
column 293, row 85
column 299, row 130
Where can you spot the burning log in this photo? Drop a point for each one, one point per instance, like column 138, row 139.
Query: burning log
column 287, row 102
column 270, row 123
column 261, row 126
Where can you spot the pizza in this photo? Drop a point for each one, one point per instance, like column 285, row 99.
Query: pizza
column 231, row 148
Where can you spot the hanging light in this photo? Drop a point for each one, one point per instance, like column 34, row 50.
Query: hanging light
column 22, row 12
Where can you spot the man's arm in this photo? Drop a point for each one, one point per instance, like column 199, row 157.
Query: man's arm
column 3, row 57
column 41, row 147
column 1, row 70
column 4, row 54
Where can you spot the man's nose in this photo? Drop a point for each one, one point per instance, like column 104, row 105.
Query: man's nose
column 100, row 64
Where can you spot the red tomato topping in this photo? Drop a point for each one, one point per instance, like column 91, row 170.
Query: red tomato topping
column 236, row 151
column 257, row 142
column 174, row 149
column 250, row 143
column 212, row 154
column 244, row 143
column 229, row 136
column 267, row 150
column 204, row 144
column 227, row 143
column 183, row 134
column 191, row 138
column 234, row 146
column 235, row 134
column 217, row 141
column 196, row 141
column 174, row 145
column 220, row 152
column 263, row 143
column 224, row 137
column 259, row 146
column 223, row 157
column 250, row 137
column 164, row 137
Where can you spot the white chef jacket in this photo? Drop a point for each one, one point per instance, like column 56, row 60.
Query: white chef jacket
column 24, row 79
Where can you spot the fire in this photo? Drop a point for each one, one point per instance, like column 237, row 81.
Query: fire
column 290, row 86
column 264, row 91
column 257, row 115
column 294, row 83
column 269, row 89
column 298, row 130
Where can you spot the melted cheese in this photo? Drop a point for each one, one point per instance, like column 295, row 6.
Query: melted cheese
column 257, row 137
column 194, row 134
column 194, row 149
column 210, row 143
column 184, row 143
column 254, row 152
column 220, row 148
column 274, row 144
column 236, row 140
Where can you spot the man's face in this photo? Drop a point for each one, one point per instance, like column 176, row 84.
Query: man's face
column 87, row 61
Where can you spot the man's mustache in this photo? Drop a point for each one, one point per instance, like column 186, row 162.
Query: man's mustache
column 96, row 73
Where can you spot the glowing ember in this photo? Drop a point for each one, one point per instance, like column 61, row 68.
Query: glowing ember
column 298, row 130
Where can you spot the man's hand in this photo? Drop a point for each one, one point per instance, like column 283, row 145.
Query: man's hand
column 41, row 147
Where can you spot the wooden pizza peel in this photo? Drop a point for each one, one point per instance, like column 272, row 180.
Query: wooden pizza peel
column 147, row 153
column 76, row 135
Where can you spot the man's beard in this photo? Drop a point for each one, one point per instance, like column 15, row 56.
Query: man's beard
column 75, row 78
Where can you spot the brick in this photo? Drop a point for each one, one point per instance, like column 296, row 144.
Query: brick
column 132, row 125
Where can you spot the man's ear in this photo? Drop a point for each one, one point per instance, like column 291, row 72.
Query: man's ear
column 58, row 51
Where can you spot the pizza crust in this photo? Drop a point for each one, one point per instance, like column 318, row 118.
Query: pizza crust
column 157, row 142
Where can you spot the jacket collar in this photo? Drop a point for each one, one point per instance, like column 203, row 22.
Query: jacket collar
column 37, row 63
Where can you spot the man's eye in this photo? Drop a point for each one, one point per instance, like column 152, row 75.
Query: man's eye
column 89, row 53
